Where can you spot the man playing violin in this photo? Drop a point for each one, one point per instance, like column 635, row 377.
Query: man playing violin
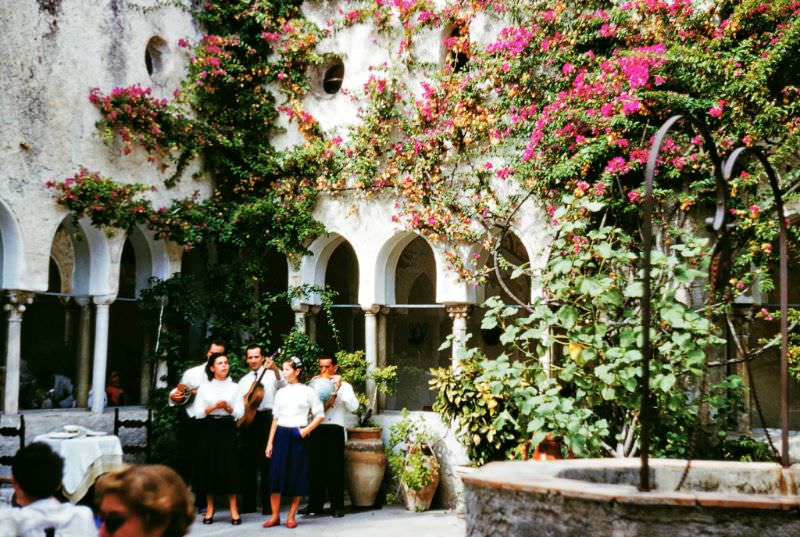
column 188, row 432
column 257, row 388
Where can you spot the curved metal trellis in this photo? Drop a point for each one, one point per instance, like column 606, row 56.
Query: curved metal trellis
column 718, row 225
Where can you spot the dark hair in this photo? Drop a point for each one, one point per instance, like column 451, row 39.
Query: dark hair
column 155, row 493
column 254, row 346
column 38, row 470
column 210, row 363
column 333, row 359
column 296, row 364
column 217, row 341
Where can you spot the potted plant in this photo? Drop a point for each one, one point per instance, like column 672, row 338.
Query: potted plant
column 365, row 460
column 413, row 461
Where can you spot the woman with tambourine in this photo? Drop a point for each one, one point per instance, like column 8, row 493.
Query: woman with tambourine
column 286, row 447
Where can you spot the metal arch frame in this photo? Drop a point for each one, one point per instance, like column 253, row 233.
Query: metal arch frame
column 783, row 277
column 722, row 174
column 716, row 223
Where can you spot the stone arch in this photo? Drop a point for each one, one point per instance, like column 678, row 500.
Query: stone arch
column 450, row 289
column 386, row 266
column 342, row 327
column 11, row 249
column 313, row 266
column 92, row 259
column 151, row 257
column 347, row 283
column 62, row 258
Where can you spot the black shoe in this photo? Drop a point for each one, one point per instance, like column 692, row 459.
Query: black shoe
column 209, row 520
column 338, row 513
column 236, row 521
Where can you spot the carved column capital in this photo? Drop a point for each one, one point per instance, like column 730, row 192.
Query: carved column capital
column 104, row 300
column 385, row 310
column 459, row 311
column 82, row 301
column 17, row 301
column 374, row 309
column 299, row 307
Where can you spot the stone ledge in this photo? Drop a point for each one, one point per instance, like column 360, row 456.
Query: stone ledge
column 577, row 498
column 583, row 482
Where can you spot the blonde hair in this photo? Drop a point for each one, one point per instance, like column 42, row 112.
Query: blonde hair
column 154, row 492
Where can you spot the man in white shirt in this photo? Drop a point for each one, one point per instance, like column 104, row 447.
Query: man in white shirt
column 326, row 444
column 188, row 423
column 253, row 463
column 36, row 475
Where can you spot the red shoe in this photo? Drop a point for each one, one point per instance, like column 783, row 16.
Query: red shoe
column 291, row 524
column 271, row 522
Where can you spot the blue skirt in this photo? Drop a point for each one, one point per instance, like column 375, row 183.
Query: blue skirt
column 288, row 467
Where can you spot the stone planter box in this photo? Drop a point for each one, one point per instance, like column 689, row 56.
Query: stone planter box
column 600, row 497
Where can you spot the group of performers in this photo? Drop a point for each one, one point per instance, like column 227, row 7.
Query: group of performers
column 290, row 441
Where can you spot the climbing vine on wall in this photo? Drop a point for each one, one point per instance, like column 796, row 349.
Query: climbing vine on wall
column 557, row 100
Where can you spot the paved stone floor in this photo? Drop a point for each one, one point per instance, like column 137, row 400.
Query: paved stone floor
column 392, row 521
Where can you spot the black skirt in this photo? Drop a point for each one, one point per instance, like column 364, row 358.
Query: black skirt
column 216, row 470
column 288, row 467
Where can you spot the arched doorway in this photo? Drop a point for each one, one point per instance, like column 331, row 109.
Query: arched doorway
column 342, row 277
column 129, row 334
column 50, row 368
column 416, row 326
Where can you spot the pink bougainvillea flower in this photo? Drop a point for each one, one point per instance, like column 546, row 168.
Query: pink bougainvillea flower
column 716, row 111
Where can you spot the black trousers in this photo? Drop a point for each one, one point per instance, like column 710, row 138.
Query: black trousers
column 326, row 470
column 254, row 463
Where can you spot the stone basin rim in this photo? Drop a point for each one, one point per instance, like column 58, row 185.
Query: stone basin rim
column 542, row 477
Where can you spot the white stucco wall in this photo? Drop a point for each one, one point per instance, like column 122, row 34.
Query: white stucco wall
column 53, row 54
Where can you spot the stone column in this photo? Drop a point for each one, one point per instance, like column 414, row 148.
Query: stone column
column 67, row 320
column 311, row 323
column 84, row 350
column 146, row 379
column 383, row 354
column 300, row 311
column 17, row 301
column 102, row 310
column 459, row 313
column 371, row 346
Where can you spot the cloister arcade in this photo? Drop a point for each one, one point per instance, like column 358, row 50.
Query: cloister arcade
column 396, row 298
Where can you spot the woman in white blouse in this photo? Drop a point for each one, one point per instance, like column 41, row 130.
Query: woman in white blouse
column 286, row 448
column 215, row 468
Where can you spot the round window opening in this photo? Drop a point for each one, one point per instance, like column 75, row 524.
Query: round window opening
column 333, row 77
column 154, row 55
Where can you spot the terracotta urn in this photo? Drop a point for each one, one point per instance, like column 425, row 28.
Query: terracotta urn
column 365, row 464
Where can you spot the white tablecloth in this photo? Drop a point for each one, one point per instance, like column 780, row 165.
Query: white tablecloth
column 85, row 459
